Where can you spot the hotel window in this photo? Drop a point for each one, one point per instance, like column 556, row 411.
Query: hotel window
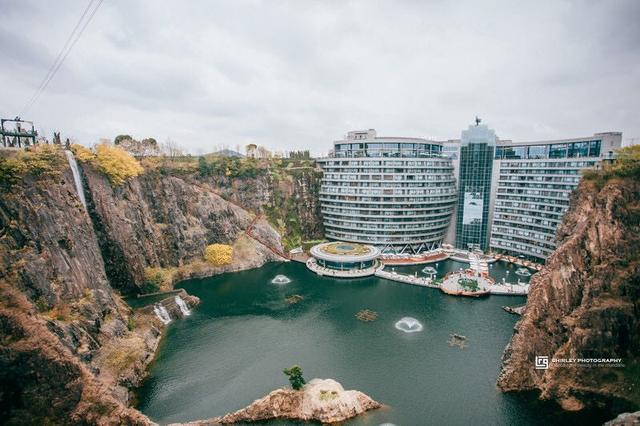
column 579, row 149
column 538, row 151
column 558, row 151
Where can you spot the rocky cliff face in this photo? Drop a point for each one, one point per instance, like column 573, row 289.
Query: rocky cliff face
column 70, row 347
column 585, row 303
column 166, row 221
column 288, row 196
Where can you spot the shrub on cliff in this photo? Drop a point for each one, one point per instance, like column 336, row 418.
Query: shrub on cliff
column 156, row 279
column 218, row 254
column 10, row 171
column 116, row 163
column 38, row 160
column 627, row 164
column 82, row 153
column 295, row 377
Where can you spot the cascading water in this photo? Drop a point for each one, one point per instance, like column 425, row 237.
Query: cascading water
column 76, row 176
column 183, row 306
column 162, row 313
column 409, row 325
column 280, row 279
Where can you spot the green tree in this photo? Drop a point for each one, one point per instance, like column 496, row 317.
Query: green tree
column 295, row 377
column 121, row 138
column 203, row 167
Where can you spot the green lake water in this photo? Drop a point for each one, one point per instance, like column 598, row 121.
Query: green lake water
column 233, row 347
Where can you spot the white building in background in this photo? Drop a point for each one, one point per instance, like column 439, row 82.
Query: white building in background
column 255, row 151
column 395, row 193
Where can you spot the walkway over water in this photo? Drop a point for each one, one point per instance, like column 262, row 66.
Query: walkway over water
column 404, row 278
column 498, row 289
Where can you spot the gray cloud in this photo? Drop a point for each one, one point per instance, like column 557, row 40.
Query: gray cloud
column 298, row 74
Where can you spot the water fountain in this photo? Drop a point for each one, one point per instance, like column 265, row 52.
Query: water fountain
column 429, row 270
column 182, row 305
column 408, row 325
column 523, row 272
column 162, row 313
column 76, row 176
column 280, row 279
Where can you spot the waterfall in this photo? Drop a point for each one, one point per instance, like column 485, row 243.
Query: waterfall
column 161, row 313
column 76, row 177
column 183, row 306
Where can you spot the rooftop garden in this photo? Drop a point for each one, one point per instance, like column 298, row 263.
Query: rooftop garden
column 468, row 284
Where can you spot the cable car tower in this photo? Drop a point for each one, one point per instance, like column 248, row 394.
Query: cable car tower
column 22, row 134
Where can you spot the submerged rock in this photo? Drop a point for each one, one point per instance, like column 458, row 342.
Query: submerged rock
column 322, row 400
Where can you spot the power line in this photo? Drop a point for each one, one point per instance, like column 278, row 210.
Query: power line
column 53, row 65
column 68, row 46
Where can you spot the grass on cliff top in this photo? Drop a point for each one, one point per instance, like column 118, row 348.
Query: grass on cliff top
column 40, row 161
column 626, row 165
column 117, row 164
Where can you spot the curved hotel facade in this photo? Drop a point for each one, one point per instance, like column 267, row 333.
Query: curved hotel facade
column 397, row 194
column 480, row 192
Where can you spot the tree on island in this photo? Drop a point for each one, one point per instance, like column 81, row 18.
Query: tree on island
column 295, row 377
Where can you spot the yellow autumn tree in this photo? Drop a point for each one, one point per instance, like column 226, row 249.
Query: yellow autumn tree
column 82, row 153
column 116, row 163
column 218, row 254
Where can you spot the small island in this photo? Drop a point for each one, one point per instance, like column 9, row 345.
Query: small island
column 321, row 400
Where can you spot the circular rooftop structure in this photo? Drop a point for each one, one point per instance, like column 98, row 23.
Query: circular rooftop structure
column 343, row 252
column 342, row 259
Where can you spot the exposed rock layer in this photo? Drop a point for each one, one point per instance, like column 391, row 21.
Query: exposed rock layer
column 585, row 303
column 165, row 221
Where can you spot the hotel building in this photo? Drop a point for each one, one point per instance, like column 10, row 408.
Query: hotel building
column 531, row 188
column 400, row 194
column 395, row 193
column 477, row 148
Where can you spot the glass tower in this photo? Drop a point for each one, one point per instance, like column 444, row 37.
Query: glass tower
column 477, row 148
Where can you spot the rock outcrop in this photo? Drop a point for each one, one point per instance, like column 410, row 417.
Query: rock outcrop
column 321, row 400
column 625, row 419
column 585, row 303
column 42, row 381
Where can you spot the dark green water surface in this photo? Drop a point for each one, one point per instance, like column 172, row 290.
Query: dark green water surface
column 232, row 350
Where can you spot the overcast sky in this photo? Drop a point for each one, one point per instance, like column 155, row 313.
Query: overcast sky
column 300, row 74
